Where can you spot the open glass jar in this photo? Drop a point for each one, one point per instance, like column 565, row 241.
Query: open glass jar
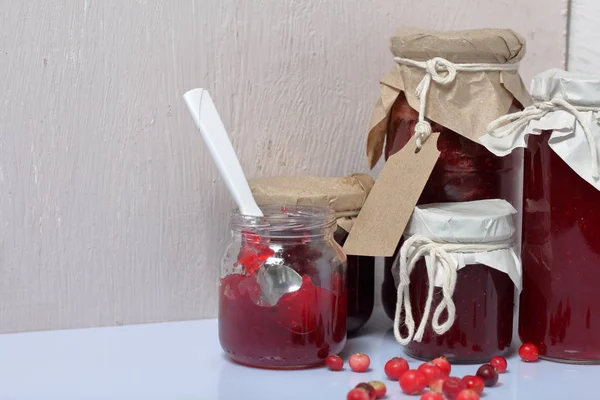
column 559, row 309
column 300, row 328
column 456, row 275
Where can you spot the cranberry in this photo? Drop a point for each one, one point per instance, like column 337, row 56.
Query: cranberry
column 358, row 394
column 437, row 385
column 443, row 364
column 474, row 383
column 368, row 388
column 432, row 396
column 379, row 387
column 529, row 352
column 359, row 362
column 488, row 374
column 395, row 367
column 431, row 371
column 413, row 382
column 334, row 362
column 468, row 394
column 452, row 387
column 499, row 363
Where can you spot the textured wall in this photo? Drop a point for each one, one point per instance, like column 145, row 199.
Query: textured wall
column 111, row 211
column 584, row 38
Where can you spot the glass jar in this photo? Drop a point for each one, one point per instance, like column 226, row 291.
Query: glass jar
column 303, row 326
column 559, row 310
column 476, row 240
column 361, row 286
column 465, row 171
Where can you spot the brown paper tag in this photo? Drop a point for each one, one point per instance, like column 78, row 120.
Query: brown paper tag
column 381, row 222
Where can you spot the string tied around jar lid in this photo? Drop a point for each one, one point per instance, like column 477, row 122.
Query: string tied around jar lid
column 441, row 257
column 540, row 109
column 443, row 72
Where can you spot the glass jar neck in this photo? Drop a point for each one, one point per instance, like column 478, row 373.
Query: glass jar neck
column 293, row 222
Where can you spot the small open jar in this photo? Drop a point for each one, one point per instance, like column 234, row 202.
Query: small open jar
column 344, row 195
column 456, row 274
column 300, row 328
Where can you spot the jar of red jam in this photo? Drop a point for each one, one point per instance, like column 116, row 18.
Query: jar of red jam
column 559, row 308
column 456, row 274
column 465, row 171
column 294, row 329
column 345, row 195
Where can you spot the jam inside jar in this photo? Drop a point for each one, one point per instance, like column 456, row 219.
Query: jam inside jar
column 465, row 171
column 559, row 309
column 303, row 326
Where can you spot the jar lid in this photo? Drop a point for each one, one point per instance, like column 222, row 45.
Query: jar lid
column 577, row 89
column 343, row 194
column 481, row 221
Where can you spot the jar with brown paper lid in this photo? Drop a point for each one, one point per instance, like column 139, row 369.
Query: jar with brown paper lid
column 345, row 196
column 451, row 83
column 456, row 274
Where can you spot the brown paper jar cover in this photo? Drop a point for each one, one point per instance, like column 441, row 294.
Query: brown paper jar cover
column 345, row 196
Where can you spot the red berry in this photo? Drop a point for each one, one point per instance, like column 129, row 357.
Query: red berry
column 334, row 363
column 437, row 385
column 431, row 371
column 359, row 362
column 379, row 387
column 488, row 374
column 368, row 388
column 499, row 363
column 432, row 396
column 413, row 382
column 529, row 352
column 474, row 383
column 443, row 364
column 358, row 394
column 395, row 367
column 468, row 394
column 452, row 387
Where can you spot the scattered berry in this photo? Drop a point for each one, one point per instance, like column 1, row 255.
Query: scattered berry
column 452, row 387
column 358, row 394
column 529, row 352
column 367, row 388
column 443, row 364
column 437, row 385
column 334, row 363
column 359, row 362
column 475, row 383
column 488, row 374
column 499, row 363
column 413, row 382
column 468, row 394
column 395, row 367
column 379, row 387
column 432, row 396
column 431, row 371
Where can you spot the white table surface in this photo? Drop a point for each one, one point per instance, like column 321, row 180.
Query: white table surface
column 183, row 360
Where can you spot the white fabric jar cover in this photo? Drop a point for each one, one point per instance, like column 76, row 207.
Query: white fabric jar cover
column 451, row 236
column 566, row 103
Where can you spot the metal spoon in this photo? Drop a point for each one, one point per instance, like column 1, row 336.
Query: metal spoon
column 274, row 277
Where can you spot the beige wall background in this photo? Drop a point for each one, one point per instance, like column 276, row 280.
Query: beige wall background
column 111, row 211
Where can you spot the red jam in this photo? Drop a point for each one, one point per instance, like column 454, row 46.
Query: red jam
column 559, row 309
column 361, row 286
column 483, row 326
column 465, row 171
column 300, row 330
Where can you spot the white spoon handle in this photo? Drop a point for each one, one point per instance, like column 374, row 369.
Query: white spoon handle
column 209, row 123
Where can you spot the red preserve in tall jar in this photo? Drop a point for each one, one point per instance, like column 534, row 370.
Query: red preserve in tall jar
column 445, row 89
column 456, row 274
column 559, row 308
column 345, row 196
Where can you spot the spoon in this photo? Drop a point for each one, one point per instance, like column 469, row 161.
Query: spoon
column 274, row 277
